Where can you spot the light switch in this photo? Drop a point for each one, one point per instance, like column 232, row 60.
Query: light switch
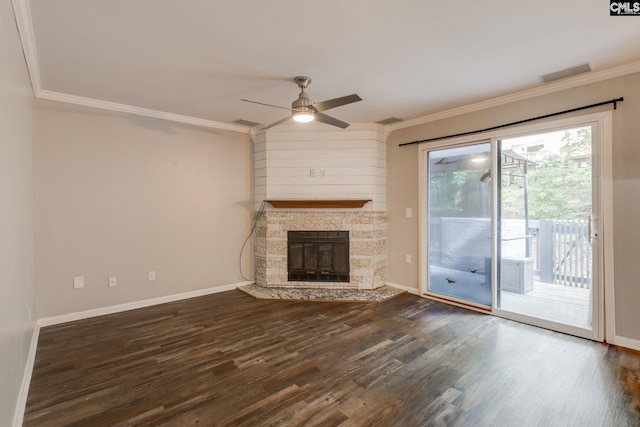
column 408, row 212
column 78, row 282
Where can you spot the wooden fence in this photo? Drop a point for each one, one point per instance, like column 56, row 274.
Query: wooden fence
column 563, row 252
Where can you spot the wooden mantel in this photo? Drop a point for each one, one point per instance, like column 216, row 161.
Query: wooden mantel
column 317, row 203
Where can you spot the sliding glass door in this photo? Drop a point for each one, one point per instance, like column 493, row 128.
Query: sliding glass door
column 546, row 209
column 512, row 224
column 459, row 223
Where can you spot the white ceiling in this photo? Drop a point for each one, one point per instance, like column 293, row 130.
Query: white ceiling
column 405, row 58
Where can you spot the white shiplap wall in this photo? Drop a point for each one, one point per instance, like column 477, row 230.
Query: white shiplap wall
column 315, row 161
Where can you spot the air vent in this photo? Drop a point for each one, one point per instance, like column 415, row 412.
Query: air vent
column 244, row 122
column 389, row 121
column 569, row 72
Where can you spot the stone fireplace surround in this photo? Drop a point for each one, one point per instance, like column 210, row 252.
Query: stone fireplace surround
column 367, row 241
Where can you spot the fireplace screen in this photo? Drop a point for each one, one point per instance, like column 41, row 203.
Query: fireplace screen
column 318, row 256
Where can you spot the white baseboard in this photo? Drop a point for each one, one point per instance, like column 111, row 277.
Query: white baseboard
column 70, row 317
column 627, row 343
column 409, row 289
column 18, row 415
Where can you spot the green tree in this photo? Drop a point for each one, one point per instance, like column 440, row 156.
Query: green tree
column 558, row 186
column 457, row 193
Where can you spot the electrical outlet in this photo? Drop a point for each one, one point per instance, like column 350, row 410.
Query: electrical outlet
column 407, row 258
column 152, row 275
column 408, row 212
column 112, row 281
column 78, row 282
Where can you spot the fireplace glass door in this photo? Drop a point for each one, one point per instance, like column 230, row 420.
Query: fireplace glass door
column 318, row 256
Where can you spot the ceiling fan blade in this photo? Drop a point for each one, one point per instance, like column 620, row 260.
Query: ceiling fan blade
column 336, row 102
column 268, row 105
column 330, row 120
column 276, row 123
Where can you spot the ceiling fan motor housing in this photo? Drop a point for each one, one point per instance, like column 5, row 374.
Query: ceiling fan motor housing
column 303, row 103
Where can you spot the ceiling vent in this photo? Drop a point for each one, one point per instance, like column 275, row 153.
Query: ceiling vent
column 244, row 122
column 389, row 121
column 569, row 72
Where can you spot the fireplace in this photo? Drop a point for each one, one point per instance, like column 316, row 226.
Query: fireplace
column 364, row 231
column 320, row 179
column 318, row 256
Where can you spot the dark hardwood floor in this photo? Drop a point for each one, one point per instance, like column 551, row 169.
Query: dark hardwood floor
column 228, row 359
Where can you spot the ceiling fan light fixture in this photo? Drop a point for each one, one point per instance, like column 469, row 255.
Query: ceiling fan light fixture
column 303, row 116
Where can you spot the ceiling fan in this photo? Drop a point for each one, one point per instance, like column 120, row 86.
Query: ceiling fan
column 305, row 110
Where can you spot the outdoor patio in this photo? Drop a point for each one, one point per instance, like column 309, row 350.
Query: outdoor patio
column 557, row 303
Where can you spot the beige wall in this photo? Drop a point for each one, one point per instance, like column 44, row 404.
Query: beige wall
column 402, row 163
column 120, row 195
column 16, row 214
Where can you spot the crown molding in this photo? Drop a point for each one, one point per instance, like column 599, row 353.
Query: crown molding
column 548, row 88
column 123, row 108
column 24, row 23
column 22, row 12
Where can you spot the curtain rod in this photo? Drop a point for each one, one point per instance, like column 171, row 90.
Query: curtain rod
column 613, row 101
